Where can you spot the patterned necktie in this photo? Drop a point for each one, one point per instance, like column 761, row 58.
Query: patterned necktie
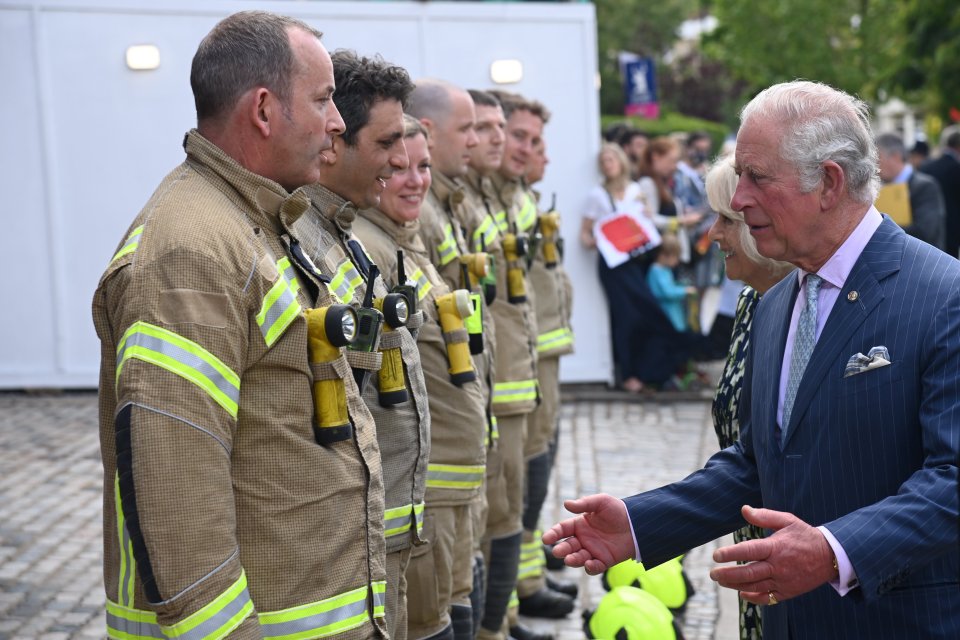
column 802, row 348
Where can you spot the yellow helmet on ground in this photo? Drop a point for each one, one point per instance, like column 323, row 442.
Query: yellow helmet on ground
column 667, row 581
column 629, row 613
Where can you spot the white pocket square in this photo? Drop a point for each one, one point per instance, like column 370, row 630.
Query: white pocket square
column 858, row 363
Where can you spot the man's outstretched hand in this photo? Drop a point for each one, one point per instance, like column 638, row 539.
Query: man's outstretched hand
column 795, row 559
column 595, row 539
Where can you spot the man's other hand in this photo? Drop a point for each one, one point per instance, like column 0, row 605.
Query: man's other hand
column 795, row 559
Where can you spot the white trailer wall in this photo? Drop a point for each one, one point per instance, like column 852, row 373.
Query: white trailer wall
column 88, row 140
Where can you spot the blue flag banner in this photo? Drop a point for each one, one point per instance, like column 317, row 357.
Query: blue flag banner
column 639, row 86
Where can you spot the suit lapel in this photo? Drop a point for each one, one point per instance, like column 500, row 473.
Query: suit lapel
column 880, row 258
column 773, row 321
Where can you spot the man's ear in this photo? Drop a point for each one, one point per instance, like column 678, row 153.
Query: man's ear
column 263, row 108
column 430, row 126
column 833, row 185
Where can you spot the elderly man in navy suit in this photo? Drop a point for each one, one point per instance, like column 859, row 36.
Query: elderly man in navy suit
column 850, row 424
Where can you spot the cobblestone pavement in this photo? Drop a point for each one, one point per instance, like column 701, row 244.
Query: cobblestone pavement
column 50, row 510
column 624, row 447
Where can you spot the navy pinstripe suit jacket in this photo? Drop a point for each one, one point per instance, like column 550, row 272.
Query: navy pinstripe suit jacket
column 872, row 456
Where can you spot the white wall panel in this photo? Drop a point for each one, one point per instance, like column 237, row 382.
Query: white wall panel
column 91, row 139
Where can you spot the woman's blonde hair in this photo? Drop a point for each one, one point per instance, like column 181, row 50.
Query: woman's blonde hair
column 617, row 152
column 721, row 182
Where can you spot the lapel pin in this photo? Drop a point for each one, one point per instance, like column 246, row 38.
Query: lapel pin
column 852, row 296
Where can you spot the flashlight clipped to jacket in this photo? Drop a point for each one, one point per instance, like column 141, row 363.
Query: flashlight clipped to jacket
column 328, row 329
column 453, row 308
column 515, row 248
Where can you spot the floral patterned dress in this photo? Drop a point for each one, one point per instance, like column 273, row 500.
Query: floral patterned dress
column 726, row 422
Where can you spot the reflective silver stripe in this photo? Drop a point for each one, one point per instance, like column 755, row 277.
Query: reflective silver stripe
column 452, row 476
column 127, row 564
column 501, row 219
column 183, row 357
column 554, row 339
column 319, row 619
column 280, row 306
column 346, row 281
column 397, row 521
column 125, row 623
column 418, row 515
column 448, row 248
column 217, row 618
column 485, row 235
column 133, row 240
column 379, row 590
column 423, row 285
column 516, row 391
column 527, row 217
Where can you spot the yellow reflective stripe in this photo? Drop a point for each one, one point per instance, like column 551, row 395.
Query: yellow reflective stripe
column 325, row 617
column 280, row 306
column 455, row 476
column 554, row 339
column 423, row 285
column 346, row 281
column 124, row 623
column 517, row 391
column 379, row 598
column 217, row 618
column 185, row 358
column 531, row 558
column 448, row 248
column 527, row 217
column 128, row 566
column 397, row 520
column 418, row 515
column 131, row 244
column 501, row 219
column 485, row 235
column 514, row 601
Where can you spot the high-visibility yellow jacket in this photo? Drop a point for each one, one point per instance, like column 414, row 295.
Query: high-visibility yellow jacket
column 222, row 514
column 403, row 430
column 458, row 421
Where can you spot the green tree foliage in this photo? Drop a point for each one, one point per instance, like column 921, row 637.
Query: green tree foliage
column 644, row 27
column 930, row 65
column 697, row 85
column 849, row 44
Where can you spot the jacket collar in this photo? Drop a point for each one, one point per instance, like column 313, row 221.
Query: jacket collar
column 332, row 206
column 407, row 235
column 265, row 202
column 446, row 190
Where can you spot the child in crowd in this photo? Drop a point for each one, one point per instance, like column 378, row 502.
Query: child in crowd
column 671, row 295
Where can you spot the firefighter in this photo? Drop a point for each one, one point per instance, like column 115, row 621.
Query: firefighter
column 370, row 95
column 224, row 512
column 555, row 339
column 446, row 576
column 457, row 401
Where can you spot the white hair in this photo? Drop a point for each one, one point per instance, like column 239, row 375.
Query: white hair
column 821, row 123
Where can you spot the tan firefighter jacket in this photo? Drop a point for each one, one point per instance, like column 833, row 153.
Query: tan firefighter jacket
column 403, row 430
column 515, row 388
column 222, row 514
column 442, row 218
column 554, row 297
column 458, row 420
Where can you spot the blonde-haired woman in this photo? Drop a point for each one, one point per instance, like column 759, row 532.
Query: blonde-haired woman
column 743, row 262
column 647, row 350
